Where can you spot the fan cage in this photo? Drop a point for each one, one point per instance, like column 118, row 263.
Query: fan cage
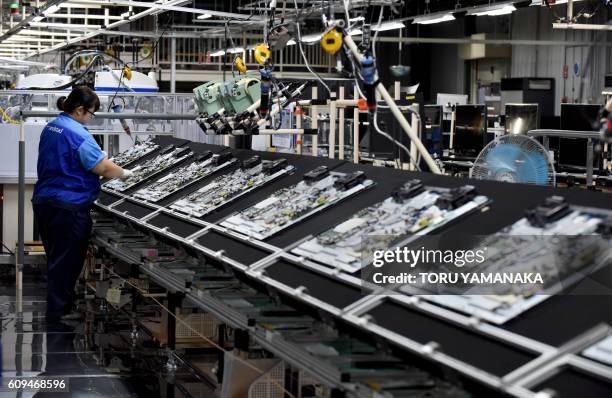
column 542, row 173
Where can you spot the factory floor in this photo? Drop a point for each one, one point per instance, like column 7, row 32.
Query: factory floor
column 95, row 356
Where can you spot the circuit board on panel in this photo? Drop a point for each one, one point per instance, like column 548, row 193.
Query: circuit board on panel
column 411, row 211
column 135, row 153
column 203, row 166
column 253, row 174
column 560, row 242
column 319, row 189
column 169, row 157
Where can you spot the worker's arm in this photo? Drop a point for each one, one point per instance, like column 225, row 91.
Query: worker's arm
column 95, row 160
column 108, row 169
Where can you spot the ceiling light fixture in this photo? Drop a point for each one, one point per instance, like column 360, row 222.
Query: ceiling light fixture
column 51, row 10
column 433, row 18
column 388, row 26
column 311, row 38
column 204, row 16
column 63, row 25
column 493, row 10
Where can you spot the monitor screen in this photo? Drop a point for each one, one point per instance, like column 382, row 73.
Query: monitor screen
column 433, row 128
column 433, row 115
column 577, row 117
column 470, row 129
column 520, row 118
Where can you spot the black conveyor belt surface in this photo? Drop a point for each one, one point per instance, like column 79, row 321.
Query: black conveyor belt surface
column 319, row 286
column 175, row 225
column 134, row 209
column 475, row 349
column 236, row 250
column 108, row 198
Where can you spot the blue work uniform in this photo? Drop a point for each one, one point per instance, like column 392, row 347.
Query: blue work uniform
column 62, row 199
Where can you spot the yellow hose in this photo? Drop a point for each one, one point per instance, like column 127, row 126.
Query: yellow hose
column 8, row 118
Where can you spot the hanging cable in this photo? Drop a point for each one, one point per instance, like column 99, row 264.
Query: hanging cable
column 299, row 42
column 396, row 142
column 8, row 118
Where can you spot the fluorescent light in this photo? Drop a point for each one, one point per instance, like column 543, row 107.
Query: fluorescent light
column 493, row 10
column 388, row 26
column 357, row 19
column 83, row 6
column 555, row 3
column 32, row 32
column 217, row 53
column 16, row 38
column 311, row 38
column 431, row 19
column 355, row 32
column 235, row 50
column 51, row 10
column 68, row 26
column 291, row 42
column 11, row 46
column 204, row 16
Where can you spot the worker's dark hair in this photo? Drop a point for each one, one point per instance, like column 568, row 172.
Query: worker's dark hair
column 79, row 96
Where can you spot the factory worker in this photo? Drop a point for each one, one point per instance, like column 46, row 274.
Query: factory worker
column 70, row 164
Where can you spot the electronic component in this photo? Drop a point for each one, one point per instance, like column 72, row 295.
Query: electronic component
column 456, row 197
column 552, row 210
column 316, row 174
column 168, row 157
column 203, row 166
column 253, row 174
column 290, row 205
column 135, row 153
column 555, row 240
column 409, row 212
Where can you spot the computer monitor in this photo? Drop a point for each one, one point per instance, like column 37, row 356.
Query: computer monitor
column 433, row 128
column 470, row 129
column 520, row 118
column 577, row 117
column 448, row 101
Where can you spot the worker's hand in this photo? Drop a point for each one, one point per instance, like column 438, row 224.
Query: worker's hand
column 126, row 174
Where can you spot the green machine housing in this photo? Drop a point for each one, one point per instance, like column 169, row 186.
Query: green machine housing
column 234, row 96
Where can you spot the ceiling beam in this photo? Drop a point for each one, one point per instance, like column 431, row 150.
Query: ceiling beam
column 26, row 21
column 166, row 7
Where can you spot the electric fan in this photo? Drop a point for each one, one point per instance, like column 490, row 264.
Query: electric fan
column 514, row 158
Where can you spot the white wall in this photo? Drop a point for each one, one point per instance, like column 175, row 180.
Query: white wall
column 447, row 70
column 535, row 23
column 9, row 215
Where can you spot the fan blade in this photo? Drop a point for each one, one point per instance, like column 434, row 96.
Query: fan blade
column 503, row 156
column 533, row 168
